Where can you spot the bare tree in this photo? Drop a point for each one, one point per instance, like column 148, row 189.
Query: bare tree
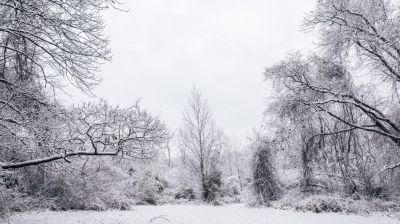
column 371, row 29
column 319, row 99
column 324, row 86
column 368, row 27
column 45, row 44
column 200, row 140
column 53, row 39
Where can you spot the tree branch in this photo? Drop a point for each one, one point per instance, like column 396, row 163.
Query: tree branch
column 53, row 158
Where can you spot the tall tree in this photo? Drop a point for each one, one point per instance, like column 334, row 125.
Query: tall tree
column 200, row 141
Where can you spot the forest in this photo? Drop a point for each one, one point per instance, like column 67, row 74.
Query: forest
column 329, row 141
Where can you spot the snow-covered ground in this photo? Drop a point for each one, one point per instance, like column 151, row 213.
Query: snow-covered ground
column 195, row 214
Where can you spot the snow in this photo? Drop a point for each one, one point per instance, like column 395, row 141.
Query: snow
column 195, row 214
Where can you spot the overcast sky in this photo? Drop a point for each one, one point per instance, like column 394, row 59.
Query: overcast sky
column 161, row 48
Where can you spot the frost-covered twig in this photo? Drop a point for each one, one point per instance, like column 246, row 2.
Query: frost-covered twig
column 391, row 167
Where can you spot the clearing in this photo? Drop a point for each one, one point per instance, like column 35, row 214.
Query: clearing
column 194, row 214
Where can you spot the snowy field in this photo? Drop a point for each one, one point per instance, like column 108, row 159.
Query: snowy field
column 194, row 214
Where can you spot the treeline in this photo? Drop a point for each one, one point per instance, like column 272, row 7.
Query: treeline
column 94, row 155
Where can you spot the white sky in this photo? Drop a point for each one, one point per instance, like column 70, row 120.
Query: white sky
column 161, row 48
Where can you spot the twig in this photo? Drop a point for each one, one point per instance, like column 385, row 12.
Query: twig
column 159, row 217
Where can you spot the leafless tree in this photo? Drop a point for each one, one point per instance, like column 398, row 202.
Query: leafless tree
column 371, row 29
column 47, row 44
column 53, row 40
column 324, row 86
column 200, row 140
column 319, row 99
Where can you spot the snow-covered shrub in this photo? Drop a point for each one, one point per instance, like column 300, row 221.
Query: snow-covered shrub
column 212, row 187
column 98, row 185
column 105, row 187
column 333, row 202
column 301, row 201
column 321, row 204
column 62, row 194
column 111, row 198
column 147, row 189
column 231, row 186
column 116, row 200
column 185, row 193
column 231, row 190
column 5, row 199
column 5, row 193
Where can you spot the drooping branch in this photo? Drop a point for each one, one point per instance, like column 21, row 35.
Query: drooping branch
column 53, row 158
column 93, row 129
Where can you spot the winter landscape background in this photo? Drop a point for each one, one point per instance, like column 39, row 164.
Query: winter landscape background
column 199, row 111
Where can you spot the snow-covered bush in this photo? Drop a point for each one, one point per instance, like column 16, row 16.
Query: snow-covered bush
column 185, row 193
column 212, row 187
column 147, row 189
column 4, row 200
column 62, row 194
column 5, row 193
column 320, row 204
column 231, row 186
column 98, row 185
column 333, row 202
column 231, row 190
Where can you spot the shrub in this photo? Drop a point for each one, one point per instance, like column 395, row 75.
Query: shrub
column 147, row 189
column 212, row 187
column 231, row 191
column 298, row 200
column 4, row 201
column 320, row 204
column 5, row 193
column 231, row 187
column 185, row 193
